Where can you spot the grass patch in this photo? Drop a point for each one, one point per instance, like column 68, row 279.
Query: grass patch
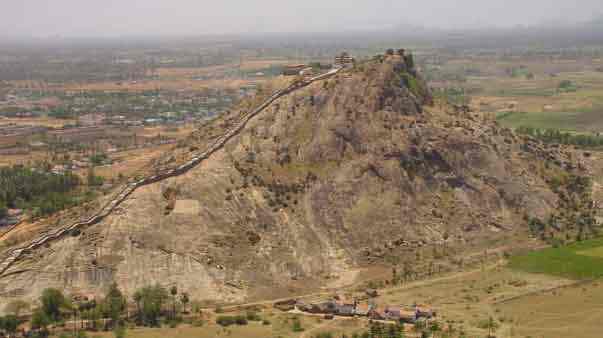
column 301, row 169
column 594, row 252
column 568, row 261
column 537, row 92
column 550, row 120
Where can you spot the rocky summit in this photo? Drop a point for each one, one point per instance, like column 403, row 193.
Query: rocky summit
column 348, row 174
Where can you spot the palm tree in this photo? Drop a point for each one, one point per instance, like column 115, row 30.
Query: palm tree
column 491, row 326
column 74, row 307
column 184, row 300
column 435, row 328
column 174, row 292
column 407, row 271
column 137, row 296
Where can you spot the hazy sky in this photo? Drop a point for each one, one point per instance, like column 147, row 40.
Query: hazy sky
column 194, row 17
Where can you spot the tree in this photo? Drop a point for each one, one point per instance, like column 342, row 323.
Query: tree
column 16, row 307
column 93, row 180
column 137, row 296
column 52, row 300
column 174, row 293
column 409, row 60
column 565, row 84
column 395, row 277
column 39, row 320
column 84, row 308
column 435, row 328
column 184, row 299
column 3, row 209
column 152, row 299
column 407, row 270
column 94, row 315
column 119, row 331
column 70, row 306
column 325, row 335
column 491, row 325
column 297, row 327
column 114, row 303
column 98, row 159
column 10, row 323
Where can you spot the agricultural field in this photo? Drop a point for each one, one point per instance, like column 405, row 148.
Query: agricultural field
column 272, row 324
column 566, row 312
column 168, row 84
column 573, row 310
column 582, row 260
column 466, row 300
column 24, row 159
column 546, row 293
column 539, row 92
column 38, row 121
column 543, row 104
column 229, row 76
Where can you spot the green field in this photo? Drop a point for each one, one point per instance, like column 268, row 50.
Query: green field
column 582, row 260
column 550, row 120
column 594, row 252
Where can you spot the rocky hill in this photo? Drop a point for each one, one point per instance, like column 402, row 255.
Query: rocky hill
column 351, row 172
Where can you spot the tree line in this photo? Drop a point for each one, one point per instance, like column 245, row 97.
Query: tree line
column 557, row 136
column 155, row 305
column 37, row 190
column 421, row 329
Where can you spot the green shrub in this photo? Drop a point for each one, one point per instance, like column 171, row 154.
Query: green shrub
column 567, row 86
column 225, row 320
column 240, row 320
column 231, row 320
column 119, row 331
column 253, row 316
column 411, row 83
column 323, row 335
column 296, row 327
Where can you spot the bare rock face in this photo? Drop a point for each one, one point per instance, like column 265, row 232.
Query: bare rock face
column 351, row 171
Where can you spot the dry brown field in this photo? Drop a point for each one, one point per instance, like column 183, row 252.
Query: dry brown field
column 31, row 158
column 37, row 121
column 172, row 85
column 128, row 163
column 280, row 325
column 570, row 312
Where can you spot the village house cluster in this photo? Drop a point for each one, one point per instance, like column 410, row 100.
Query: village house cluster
column 341, row 305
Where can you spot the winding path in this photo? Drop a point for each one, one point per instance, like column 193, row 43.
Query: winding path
column 14, row 255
